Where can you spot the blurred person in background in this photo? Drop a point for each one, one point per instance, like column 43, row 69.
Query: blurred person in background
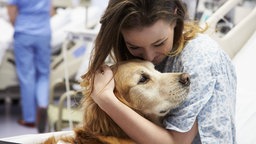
column 32, row 39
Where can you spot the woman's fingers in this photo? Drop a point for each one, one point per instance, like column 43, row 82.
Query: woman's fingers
column 103, row 82
column 105, row 68
column 103, row 75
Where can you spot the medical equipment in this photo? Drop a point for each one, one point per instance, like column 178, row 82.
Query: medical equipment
column 69, row 114
column 234, row 40
column 58, row 115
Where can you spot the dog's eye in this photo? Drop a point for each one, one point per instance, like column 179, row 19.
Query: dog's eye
column 143, row 79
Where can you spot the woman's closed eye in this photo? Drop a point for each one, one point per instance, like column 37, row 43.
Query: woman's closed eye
column 133, row 47
column 158, row 45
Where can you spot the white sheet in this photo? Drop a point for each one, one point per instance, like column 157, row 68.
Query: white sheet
column 71, row 19
column 36, row 138
column 246, row 98
column 6, row 35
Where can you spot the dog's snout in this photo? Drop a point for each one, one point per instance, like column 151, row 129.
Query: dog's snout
column 184, row 79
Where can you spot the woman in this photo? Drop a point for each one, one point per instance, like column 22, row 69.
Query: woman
column 157, row 31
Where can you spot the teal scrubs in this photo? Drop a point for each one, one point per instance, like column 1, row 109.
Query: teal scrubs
column 32, row 39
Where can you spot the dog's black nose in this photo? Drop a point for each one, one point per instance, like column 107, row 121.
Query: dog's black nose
column 184, row 79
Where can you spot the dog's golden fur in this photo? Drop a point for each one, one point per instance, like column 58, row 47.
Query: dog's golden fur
column 137, row 84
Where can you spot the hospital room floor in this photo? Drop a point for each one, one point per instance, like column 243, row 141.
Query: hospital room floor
column 9, row 114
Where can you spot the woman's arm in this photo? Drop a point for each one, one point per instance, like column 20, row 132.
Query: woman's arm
column 137, row 127
column 12, row 12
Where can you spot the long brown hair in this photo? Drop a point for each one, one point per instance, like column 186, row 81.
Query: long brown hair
column 126, row 14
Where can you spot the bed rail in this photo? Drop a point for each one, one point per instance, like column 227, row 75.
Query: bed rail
column 234, row 40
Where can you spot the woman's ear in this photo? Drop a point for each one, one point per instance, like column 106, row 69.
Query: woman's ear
column 173, row 24
column 175, row 11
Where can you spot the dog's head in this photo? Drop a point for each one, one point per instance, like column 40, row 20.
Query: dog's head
column 137, row 84
column 147, row 90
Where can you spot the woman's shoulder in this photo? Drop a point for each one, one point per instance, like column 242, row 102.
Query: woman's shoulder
column 202, row 47
column 202, row 43
column 201, row 50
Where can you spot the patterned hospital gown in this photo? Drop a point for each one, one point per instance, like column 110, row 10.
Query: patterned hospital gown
column 212, row 96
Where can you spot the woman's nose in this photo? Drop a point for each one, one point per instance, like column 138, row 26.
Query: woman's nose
column 149, row 56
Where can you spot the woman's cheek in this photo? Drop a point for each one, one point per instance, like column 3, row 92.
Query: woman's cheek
column 135, row 53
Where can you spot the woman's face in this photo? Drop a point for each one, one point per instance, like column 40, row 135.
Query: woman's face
column 150, row 43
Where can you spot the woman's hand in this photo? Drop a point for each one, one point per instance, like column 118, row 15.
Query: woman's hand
column 103, row 85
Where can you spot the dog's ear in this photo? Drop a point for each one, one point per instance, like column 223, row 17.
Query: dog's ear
column 121, row 98
column 114, row 68
column 118, row 94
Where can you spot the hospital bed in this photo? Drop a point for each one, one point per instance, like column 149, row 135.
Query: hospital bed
column 246, row 97
column 234, row 40
column 58, row 114
column 8, row 78
column 239, row 43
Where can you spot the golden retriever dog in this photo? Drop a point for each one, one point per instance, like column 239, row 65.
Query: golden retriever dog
column 138, row 85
